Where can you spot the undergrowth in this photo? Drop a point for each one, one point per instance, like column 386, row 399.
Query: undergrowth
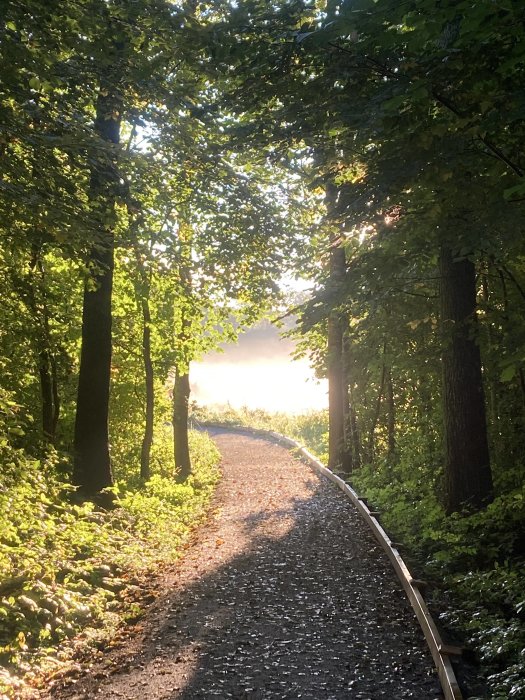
column 69, row 571
column 475, row 562
column 310, row 429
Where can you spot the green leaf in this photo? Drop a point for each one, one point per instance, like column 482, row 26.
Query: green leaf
column 515, row 192
column 508, row 373
column 394, row 103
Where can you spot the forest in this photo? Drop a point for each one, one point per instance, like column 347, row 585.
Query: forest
column 162, row 166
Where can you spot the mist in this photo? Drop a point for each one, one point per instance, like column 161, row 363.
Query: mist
column 258, row 372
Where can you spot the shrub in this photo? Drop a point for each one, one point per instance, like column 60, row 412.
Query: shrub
column 62, row 564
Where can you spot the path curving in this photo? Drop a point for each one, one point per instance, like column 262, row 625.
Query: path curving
column 283, row 594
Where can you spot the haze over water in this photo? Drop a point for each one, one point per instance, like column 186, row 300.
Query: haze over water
column 258, row 372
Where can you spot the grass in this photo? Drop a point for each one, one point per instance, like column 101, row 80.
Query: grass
column 310, row 429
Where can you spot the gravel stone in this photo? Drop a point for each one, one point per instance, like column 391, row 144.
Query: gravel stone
column 283, row 593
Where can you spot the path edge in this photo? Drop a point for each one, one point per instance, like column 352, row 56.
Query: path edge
column 441, row 652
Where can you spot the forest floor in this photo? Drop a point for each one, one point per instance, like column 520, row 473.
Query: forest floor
column 282, row 593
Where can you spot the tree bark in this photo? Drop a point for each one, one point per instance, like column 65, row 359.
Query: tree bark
column 336, row 394
column 356, row 441
column 181, row 398
column 375, row 417
column 349, row 415
column 391, row 417
column 468, row 474
column 142, row 292
column 337, row 383
column 92, row 466
column 147, row 439
column 48, row 372
column 181, row 390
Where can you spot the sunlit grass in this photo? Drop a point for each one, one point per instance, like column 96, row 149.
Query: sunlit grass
column 65, row 568
column 310, row 428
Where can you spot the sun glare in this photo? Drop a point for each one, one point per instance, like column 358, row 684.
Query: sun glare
column 286, row 386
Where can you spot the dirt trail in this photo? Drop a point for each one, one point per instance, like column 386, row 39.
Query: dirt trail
column 283, row 594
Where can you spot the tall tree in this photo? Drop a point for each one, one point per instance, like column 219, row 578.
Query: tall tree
column 92, row 465
column 337, row 381
column 467, row 461
column 143, row 291
column 181, row 385
column 181, row 397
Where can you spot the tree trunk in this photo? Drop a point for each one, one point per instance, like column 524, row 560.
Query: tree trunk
column 92, row 465
column 391, row 418
column 37, row 304
column 181, row 397
column 181, row 391
column 354, row 432
column 142, row 292
column 336, row 394
column 349, row 415
column 377, row 413
column 339, row 445
column 48, row 372
column 337, row 383
column 467, row 463
column 147, row 439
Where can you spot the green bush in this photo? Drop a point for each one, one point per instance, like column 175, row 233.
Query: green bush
column 62, row 564
column 310, row 429
column 475, row 560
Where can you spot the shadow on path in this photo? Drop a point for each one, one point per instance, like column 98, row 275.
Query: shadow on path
column 286, row 596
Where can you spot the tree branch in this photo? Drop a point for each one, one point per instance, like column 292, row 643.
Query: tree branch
column 440, row 99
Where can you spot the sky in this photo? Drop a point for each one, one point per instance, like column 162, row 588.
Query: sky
column 258, row 372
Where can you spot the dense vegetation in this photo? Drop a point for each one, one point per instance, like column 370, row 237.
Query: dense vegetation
column 162, row 164
column 70, row 573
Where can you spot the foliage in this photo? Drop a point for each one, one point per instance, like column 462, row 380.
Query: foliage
column 199, row 237
column 415, row 116
column 475, row 561
column 309, row 429
column 68, row 569
column 234, row 119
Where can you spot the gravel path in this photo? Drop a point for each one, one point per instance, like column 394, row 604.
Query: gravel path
column 283, row 594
